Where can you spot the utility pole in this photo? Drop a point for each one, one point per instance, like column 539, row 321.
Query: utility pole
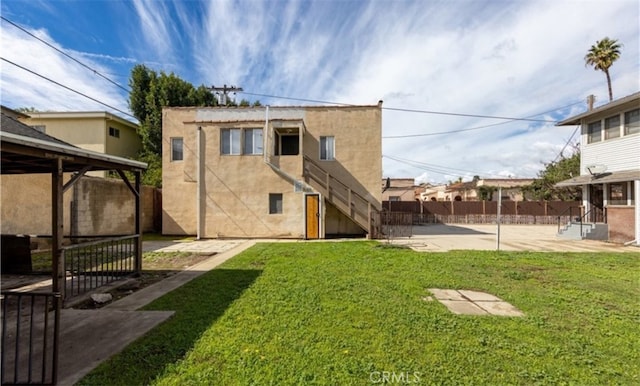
column 223, row 92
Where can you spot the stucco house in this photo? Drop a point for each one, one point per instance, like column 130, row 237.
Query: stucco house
column 278, row 172
column 399, row 189
column 98, row 131
column 609, row 170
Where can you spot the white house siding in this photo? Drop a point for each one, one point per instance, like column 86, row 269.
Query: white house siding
column 617, row 154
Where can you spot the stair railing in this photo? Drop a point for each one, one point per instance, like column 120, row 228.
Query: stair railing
column 570, row 210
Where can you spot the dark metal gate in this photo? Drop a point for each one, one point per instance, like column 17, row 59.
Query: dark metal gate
column 30, row 331
column 396, row 224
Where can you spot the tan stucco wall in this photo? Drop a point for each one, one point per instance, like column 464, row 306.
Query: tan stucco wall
column 103, row 206
column 235, row 189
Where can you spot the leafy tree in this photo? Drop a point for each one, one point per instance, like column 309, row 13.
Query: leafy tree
column 602, row 55
column 544, row 187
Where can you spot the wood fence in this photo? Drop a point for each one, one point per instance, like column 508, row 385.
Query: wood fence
column 484, row 212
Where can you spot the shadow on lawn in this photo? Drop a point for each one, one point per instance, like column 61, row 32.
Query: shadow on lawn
column 197, row 305
column 443, row 229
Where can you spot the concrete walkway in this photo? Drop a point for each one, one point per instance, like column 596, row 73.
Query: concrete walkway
column 89, row 337
column 539, row 238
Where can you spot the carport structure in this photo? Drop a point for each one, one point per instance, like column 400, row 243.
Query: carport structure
column 29, row 352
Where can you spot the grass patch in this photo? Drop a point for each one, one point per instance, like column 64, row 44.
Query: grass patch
column 345, row 312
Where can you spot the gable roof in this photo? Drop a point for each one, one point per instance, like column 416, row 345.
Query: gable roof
column 575, row 120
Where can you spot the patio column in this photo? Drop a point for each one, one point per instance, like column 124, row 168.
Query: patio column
column 138, row 230
column 636, row 192
column 57, row 225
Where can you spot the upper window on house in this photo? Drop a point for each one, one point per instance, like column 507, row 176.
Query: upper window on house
column 632, row 122
column 40, row 128
column 394, row 198
column 177, row 153
column 253, row 141
column 230, row 141
column 327, row 148
column 275, row 203
column 612, row 127
column 594, row 133
column 113, row 132
column 241, row 141
column 286, row 141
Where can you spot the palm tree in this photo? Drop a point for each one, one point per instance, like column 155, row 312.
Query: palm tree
column 602, row 55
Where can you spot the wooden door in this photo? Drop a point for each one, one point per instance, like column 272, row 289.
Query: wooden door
column 312, row 211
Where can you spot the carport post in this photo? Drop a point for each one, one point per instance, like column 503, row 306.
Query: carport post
column 138, row 229
column 57, row 227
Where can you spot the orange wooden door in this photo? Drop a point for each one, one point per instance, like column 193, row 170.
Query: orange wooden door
column 312, row 210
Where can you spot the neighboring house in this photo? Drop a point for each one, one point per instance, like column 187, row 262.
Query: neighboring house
column 399, row 189
column 277, row 172
column 434, row 193
column 97, row 131
column 487, row 189
column 610, row 169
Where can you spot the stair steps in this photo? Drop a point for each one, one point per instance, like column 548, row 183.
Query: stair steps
column 590, row 231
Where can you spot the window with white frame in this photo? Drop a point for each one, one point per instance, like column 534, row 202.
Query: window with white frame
column 612, row 127
column 632, row 122
column 230, row 141
column 594, row 133
column 253, row 141
column 327, row 148
column 241, row 141
column 618, row 193
column 177, row 153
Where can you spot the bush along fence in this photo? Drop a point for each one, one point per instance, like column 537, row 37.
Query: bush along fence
column 484, row 212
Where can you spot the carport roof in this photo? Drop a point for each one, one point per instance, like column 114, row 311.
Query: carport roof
column 25, row 150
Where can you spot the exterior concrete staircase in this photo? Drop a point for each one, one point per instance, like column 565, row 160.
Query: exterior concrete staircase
column 589, row 231
column 361, row 210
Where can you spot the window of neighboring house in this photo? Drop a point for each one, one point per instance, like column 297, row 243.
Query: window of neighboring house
column 612, row 127
column 252, row 141
column 618, row 194
column 113, row 132
column 275, row 203
column 327, row 148
column 230, row 141
column 632, row 122
column 40, row 128
column 394, row 198
column 594, row 133
column 176, row 149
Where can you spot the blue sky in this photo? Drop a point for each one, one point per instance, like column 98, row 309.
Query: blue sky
column 492, row 58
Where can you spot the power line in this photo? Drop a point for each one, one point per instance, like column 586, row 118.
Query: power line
column 65, row 54
column 68, row 88
column 567, row 144
column 472, row 128
column 435, row 168
column 404, row 110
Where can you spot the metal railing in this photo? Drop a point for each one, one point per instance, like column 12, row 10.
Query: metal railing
column 357, row 207
column 93, row 264
column 571, row 209
column 30, row 331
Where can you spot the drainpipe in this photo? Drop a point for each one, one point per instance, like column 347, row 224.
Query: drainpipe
column 199, row 184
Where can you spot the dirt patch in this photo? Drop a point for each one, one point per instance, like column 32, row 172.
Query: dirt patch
column 156, row 266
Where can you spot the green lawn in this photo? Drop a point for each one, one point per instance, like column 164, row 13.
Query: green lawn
column 353, row 312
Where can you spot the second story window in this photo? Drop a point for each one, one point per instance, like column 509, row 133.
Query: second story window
column 177, row 153
column 594, row 133
column 327, row 148
column 241, row 141
column 612, row 127
column 253, row 141
column 230, row 141
column 113, row 132
column 632, row 122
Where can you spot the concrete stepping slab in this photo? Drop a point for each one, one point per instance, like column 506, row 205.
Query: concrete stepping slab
column 467, row 302
column 476, row 296
column 446, row 294
column 499, row 308
column 463, row 307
